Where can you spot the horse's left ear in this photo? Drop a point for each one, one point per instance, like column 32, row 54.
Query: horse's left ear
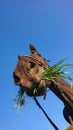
column 32, row 49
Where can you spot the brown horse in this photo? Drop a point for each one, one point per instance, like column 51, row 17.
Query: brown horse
column 28, row 75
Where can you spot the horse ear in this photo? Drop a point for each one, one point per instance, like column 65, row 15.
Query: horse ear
column 32, row 49
column 19, row 57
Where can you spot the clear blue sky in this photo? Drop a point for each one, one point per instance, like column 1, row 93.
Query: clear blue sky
column 48, row 24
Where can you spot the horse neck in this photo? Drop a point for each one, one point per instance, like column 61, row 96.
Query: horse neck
column 62, row 90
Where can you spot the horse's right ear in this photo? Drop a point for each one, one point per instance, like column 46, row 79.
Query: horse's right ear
column 32, row 49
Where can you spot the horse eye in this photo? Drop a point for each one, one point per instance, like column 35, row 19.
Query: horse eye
column 31, row 65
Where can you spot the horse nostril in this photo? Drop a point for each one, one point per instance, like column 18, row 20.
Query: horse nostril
column 16, row 78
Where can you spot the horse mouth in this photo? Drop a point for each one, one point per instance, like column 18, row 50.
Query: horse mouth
column 16, row 79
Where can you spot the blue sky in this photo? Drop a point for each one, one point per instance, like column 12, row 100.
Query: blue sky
column 48, row 25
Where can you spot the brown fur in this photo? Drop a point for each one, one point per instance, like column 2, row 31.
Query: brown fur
column 28, row 73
